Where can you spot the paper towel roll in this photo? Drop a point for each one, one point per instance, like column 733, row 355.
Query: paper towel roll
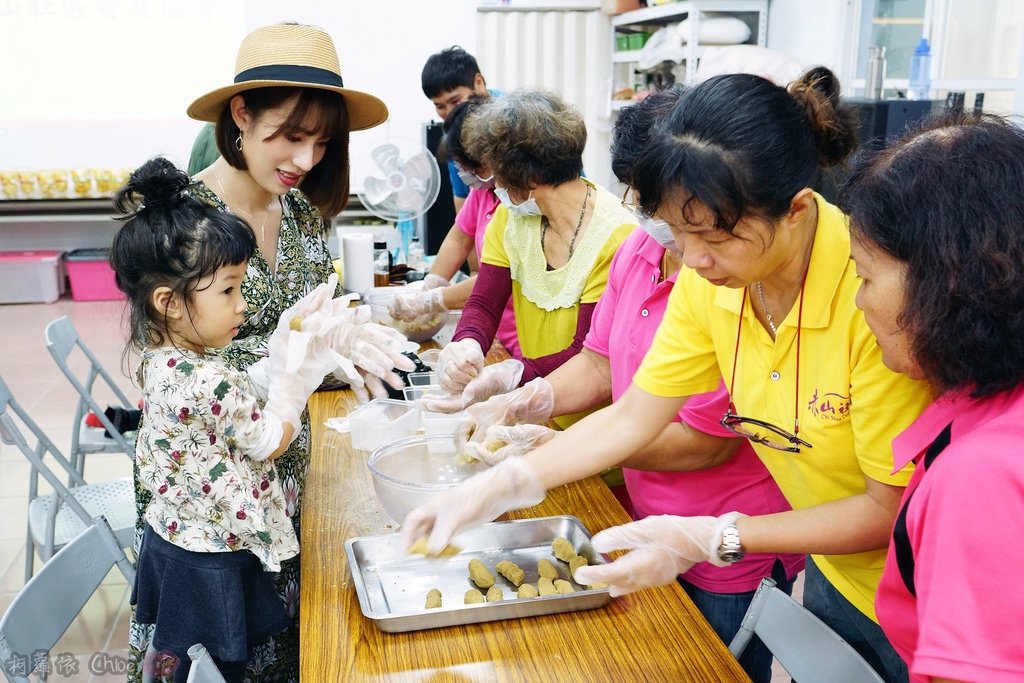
column 357, row 262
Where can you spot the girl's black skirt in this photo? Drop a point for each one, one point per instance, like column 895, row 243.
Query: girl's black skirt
column 225, row 601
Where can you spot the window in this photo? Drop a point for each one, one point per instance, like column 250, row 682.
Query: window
column 976, row 46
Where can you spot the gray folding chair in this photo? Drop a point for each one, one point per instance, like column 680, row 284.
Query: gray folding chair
column 48, row 604
column 61, row 340
column 805, row 646
column 203, row 669
column 56, row 518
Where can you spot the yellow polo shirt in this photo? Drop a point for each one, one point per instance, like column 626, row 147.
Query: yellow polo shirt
column 850, row 405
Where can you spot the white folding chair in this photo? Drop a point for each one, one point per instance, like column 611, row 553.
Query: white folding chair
column 203, row 669
column 61, row 340
column 805, row 646
column 56, row 518
column 48, row 604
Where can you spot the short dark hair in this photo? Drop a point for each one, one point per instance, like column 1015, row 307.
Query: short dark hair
column 947, row 200
column 327, row 184
column 740, row 145
column 527, row 137
column 447, row 70
column 169, row 239
column 452, row 146
column 633, row 126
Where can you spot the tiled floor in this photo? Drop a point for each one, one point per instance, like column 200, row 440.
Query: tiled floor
column 98, row 639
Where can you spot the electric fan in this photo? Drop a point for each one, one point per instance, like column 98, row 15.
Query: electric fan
column 400, row 180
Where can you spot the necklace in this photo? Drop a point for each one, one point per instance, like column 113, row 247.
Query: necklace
column 767, row 315
column 544, row 225
column 224, row 193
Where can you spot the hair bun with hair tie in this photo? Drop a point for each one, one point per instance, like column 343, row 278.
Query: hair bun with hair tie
column 161, row 201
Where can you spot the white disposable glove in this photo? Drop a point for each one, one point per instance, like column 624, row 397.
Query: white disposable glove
column 373, row 387
column 432, row 281
column 374, row 348
column 459, row 363
column 532, row 403
column 663, row 547
column 501, row 442
column 411, row 304
column 498, row 378
column 509, row 485
column 298, row 360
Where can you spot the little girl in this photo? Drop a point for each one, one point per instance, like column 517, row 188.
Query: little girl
column 216, row 526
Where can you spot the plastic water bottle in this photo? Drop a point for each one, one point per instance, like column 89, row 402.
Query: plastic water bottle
column 920, row 72
column 416, row 255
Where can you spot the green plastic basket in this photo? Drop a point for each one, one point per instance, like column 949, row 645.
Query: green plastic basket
column 635, row 41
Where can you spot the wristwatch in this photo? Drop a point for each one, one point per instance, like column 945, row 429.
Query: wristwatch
column 730, row 550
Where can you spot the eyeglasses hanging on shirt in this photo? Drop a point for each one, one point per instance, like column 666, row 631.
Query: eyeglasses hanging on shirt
column 766, row 433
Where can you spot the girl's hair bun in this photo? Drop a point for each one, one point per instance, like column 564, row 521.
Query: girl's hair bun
column 154, row 185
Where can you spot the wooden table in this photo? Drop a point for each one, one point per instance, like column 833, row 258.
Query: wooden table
column 656, row 634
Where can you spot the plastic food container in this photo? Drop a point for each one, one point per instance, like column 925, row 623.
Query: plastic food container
column 419, row 330
column 441, row 423
column 423, row 379
column 409, row 471
column 414, row 392
column 430, row 357
column 381, row 421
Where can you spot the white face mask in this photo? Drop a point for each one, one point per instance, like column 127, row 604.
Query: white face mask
column 659, row 230
column 476, row 182
column 527, row 208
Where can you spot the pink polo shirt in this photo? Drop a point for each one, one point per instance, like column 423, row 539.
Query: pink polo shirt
column 965, row 524
column 626, row 318
column 472, row 219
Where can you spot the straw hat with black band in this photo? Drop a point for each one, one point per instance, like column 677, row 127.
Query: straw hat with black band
column 290, row 55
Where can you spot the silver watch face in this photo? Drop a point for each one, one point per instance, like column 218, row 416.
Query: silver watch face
column 730, row 550
column 730, row 555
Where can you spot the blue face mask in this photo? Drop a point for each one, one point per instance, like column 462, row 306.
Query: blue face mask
column 527, row 208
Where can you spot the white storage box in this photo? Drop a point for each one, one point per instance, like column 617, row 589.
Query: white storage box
column 382, row 421
column 30, row 276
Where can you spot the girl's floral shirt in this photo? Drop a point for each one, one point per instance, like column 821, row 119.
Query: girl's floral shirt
column 201, row 416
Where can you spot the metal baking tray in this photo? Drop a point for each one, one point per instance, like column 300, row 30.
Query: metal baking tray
column 392, row 585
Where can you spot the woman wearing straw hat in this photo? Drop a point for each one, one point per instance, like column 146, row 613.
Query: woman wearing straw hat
column 282, row 129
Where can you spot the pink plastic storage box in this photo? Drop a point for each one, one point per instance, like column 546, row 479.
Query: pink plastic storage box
column 92, row 278
column 30, row 277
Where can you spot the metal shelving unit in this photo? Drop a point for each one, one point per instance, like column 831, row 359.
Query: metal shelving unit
column 649, row 19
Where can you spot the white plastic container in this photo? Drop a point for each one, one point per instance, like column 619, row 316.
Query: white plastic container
column 30, row 277
column 424, row 379
column 382, row 421
column 441, row 423
column 429, row 357
column 417, row 391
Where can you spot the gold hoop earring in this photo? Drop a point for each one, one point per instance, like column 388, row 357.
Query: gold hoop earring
column 238, row 142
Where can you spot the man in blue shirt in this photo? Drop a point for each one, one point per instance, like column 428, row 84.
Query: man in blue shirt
column 450, row 77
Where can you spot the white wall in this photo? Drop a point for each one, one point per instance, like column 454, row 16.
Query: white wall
column 106, row 84
column 814, row 32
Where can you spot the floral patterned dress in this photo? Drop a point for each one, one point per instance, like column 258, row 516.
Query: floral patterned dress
column 303, row 262
column 202, row 416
